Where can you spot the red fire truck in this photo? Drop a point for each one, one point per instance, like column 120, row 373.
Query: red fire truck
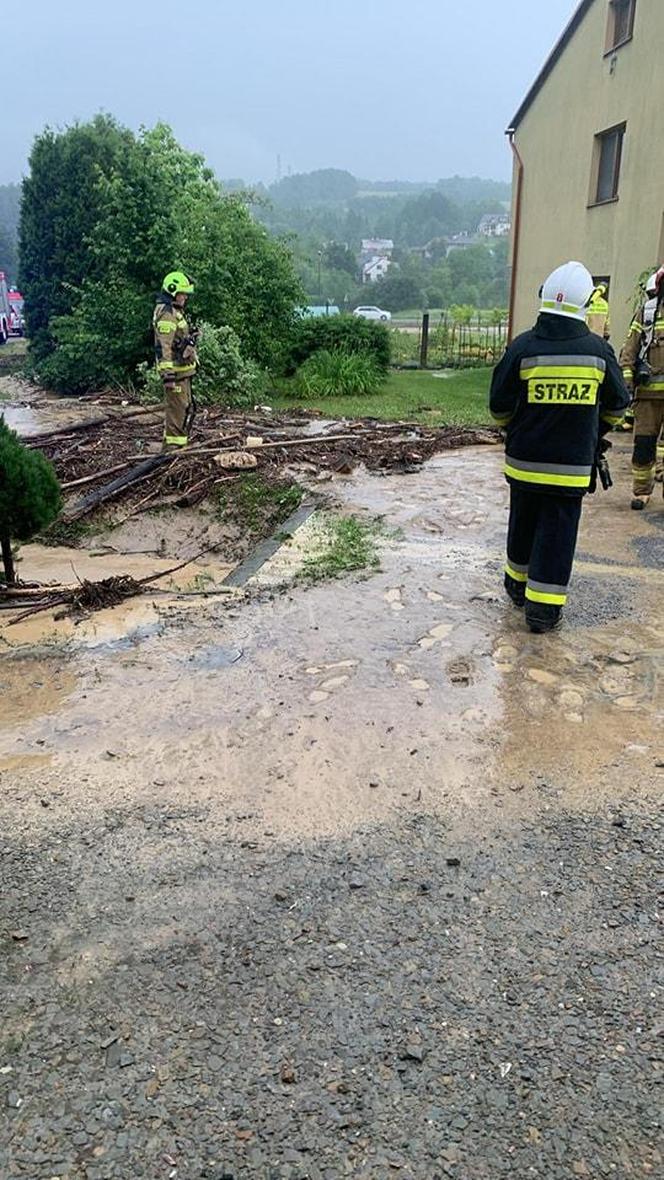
column 11, row 311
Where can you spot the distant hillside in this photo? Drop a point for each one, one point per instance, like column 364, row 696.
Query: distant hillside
column 335, row 186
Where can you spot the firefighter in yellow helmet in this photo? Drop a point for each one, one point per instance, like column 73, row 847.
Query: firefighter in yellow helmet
column 598, row 312
column 175, row 355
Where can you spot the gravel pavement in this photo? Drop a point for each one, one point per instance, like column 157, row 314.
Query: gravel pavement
column 408, row 1002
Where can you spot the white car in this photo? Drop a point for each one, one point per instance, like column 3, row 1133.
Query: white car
column 373, row 313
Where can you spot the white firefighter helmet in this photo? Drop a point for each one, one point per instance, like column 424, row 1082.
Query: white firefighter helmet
column 568, row 291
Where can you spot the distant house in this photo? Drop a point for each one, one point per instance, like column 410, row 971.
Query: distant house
column 376, row 248
column 494, row 225
column 588, row 169
column 375, row 268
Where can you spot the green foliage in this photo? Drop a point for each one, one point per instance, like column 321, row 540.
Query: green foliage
column 60, row 210
column 348, row 544
column 10, row 199
column 128, row 209
column 396, row 291
column 258, row 504
column 29, row 491
column 223, row 376
column 457, row 398
column 339, row 333
column 338, row 374
column 462, row 313
column 326, row 185
column 339, row 256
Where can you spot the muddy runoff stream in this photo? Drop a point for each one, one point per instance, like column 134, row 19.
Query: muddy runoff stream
column 289, row 711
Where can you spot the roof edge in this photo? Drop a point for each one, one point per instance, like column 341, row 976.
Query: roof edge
column 551, row 61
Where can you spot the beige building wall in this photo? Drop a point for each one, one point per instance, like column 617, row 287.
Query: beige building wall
column 586, row 93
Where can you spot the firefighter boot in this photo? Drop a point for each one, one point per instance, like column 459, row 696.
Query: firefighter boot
column 541, row 617
column 515, row 590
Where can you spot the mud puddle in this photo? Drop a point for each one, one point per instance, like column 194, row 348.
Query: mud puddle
column 315, row 711
column 33, row 414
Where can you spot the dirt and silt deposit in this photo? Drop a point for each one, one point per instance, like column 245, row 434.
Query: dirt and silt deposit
column 336, row 878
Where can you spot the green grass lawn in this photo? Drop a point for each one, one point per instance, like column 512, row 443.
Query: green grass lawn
column 458, row 399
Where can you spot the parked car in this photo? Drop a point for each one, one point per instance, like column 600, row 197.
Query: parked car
column 372, row 313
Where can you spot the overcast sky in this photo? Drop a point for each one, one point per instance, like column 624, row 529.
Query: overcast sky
column 407, row 89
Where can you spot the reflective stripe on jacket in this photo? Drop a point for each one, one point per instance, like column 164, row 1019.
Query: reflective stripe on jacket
column 555, row 390
column 645, row 341
column 171, row 331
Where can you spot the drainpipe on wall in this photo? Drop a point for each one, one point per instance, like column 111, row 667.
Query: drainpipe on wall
column 516, row 230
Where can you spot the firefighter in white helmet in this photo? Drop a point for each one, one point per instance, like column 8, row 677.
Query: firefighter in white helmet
column 556, row 391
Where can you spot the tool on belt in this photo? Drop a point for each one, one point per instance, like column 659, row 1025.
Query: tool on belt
column 601, row 467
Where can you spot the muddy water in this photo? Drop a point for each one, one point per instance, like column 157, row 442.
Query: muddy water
column 31, row 413
column 317, row 711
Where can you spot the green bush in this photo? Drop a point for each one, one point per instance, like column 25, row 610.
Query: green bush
column 338, row 374
column 224, row 377
column 29, row 494
column 347, row 334
column 105, row 215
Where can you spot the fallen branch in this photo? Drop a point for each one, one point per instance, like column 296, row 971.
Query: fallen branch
column 108, row 491
column 76, row 483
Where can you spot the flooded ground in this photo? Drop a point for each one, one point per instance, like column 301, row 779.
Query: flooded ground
column 349, row 880
column 345, row 694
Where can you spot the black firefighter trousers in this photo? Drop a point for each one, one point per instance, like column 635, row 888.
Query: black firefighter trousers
column 541, row 540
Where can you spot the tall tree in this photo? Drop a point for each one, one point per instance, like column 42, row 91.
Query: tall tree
column 60, row 210
column 156, row 207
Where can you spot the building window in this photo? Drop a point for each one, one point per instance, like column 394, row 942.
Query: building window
column 621, row 23
column 608, row 154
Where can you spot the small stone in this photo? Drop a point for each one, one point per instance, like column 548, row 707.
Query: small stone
column 20, row 935
column 14, row 1100
column 334, row 682
column 287, row 1074
column 540, row 676
column 356, row 883
column 279, row 895
column 412, row 1051
column 453, row 861
column 125, row 1060
column 317, row 696
column 45, row 802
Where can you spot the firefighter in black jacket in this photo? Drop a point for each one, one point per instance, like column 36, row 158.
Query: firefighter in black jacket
column 557, row 390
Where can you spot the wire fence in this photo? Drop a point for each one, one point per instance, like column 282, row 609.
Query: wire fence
column 452, row 345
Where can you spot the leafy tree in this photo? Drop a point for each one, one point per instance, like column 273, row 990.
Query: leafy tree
column 29, row 495
column 397, row 291
column 339, row 256
column 10, row 200
column 8, row 255
column 339, row 333
column 307, row 188
column 155, row 208
column 59, row 214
